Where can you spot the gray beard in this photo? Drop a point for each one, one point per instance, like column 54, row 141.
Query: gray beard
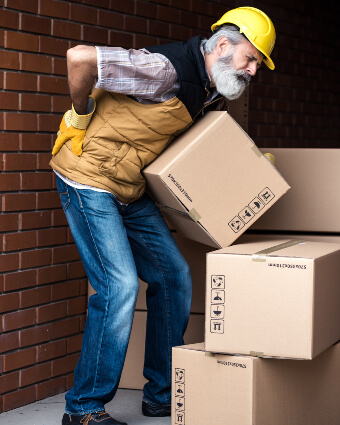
column 229, row 82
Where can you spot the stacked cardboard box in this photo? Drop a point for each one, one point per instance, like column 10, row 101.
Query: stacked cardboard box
column 271, row 297
column 265, row 298
column 222, row 389
column 272, row 316
column 274, row 297
column 313, row 204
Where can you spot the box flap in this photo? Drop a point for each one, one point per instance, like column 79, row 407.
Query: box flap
column 298, row 248
column 199, row 346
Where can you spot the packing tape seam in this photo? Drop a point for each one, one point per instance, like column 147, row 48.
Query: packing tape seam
column 172, row 210
column 257, row 151
column 257, row 353
column 193, row 214
column 262, row 255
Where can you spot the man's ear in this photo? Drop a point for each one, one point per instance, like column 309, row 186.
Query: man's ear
column 223, row 45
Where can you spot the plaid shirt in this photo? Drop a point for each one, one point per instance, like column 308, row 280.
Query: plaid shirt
column 148, row 77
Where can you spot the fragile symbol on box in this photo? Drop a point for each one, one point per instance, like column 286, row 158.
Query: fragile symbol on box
column 246, row 214
column 217, row 310
column 218, row 281
column 217, row 326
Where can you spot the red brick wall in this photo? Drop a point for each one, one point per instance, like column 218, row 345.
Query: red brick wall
column 42, row 282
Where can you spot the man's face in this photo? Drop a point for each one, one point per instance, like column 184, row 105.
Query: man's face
column 247, row 58
column 232, row 71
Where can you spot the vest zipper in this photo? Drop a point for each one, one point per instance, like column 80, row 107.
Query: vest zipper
column 208, row 104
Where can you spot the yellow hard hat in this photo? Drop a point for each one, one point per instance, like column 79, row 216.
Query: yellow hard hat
column 256, row 26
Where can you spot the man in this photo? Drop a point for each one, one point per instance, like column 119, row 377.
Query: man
column 142, row 100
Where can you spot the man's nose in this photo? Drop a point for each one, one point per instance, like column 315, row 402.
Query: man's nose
column 252, row 68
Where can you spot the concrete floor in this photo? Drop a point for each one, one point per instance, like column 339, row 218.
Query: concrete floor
column 126, row 406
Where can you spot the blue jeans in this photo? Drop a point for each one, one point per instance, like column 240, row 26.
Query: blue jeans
column 117, row 244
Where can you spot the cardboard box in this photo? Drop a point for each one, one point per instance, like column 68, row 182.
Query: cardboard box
column 258, row 237
column 241, row 390
column 273, row 298
column 132, row 375
column 313, row 203
column 213, row 182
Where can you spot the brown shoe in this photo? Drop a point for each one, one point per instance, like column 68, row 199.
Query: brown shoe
column 94, row 418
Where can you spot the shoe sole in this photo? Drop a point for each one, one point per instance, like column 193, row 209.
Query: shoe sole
column 155, row 412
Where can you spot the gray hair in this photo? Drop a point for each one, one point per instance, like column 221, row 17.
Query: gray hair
column 232, row 33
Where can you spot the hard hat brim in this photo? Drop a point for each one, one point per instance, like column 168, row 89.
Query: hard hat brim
column 269, row 62
column 266, row 59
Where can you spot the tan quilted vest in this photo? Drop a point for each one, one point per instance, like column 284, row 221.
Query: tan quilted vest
column 123, row 137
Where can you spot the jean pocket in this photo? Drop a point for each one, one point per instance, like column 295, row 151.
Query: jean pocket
column 63, row 193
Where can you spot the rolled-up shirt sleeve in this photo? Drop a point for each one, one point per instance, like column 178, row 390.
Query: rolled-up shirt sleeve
column 139, row 73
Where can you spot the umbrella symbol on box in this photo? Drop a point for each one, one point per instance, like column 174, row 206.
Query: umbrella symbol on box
column 256, row 205
column 180, row 403
column 217, row 311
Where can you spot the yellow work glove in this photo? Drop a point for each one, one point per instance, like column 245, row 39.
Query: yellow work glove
column 73, row 127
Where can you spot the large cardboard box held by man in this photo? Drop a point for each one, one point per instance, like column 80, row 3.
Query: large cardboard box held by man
column 272, row 297
column 217, row 389
column 313, row 203
column 213, row 182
